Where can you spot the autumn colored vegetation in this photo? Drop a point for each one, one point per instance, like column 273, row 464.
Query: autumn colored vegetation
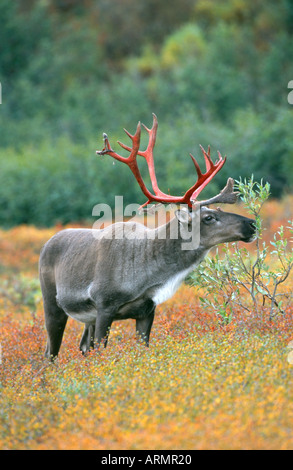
column 203, row 383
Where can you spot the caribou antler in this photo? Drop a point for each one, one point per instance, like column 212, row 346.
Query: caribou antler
column 226, row 196
column 192, row 193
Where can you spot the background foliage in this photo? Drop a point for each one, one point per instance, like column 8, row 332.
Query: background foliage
column 214, row 72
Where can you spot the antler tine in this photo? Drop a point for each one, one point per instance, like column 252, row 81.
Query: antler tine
column 107, row 147
column 204, row 178
column 135, row 143
column 207, row 156
column 226, row 196
column 149, row 157
column 197, row 167
column 152, row 133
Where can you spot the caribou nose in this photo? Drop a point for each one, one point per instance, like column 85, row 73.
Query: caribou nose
column 252, row 224
column 249, row 230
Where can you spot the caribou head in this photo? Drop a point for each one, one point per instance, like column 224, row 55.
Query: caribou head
column 216, row 226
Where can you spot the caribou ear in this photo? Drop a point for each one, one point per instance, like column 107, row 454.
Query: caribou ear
column 183, row 216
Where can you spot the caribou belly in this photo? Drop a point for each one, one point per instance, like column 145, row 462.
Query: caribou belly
column 89, row 316
column 167, row 290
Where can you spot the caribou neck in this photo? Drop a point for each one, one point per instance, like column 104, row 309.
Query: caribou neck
column 168, row 242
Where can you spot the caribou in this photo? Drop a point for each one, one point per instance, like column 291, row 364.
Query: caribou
column 97, row 276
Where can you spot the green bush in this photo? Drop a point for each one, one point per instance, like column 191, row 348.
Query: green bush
column 245, row 280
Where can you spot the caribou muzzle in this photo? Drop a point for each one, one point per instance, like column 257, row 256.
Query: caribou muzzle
column 249, row 230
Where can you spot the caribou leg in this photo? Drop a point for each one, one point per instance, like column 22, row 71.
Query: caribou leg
column 144, row 326
column 87, row 340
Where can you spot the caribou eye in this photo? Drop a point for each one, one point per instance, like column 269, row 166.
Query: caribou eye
column 209, row 218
